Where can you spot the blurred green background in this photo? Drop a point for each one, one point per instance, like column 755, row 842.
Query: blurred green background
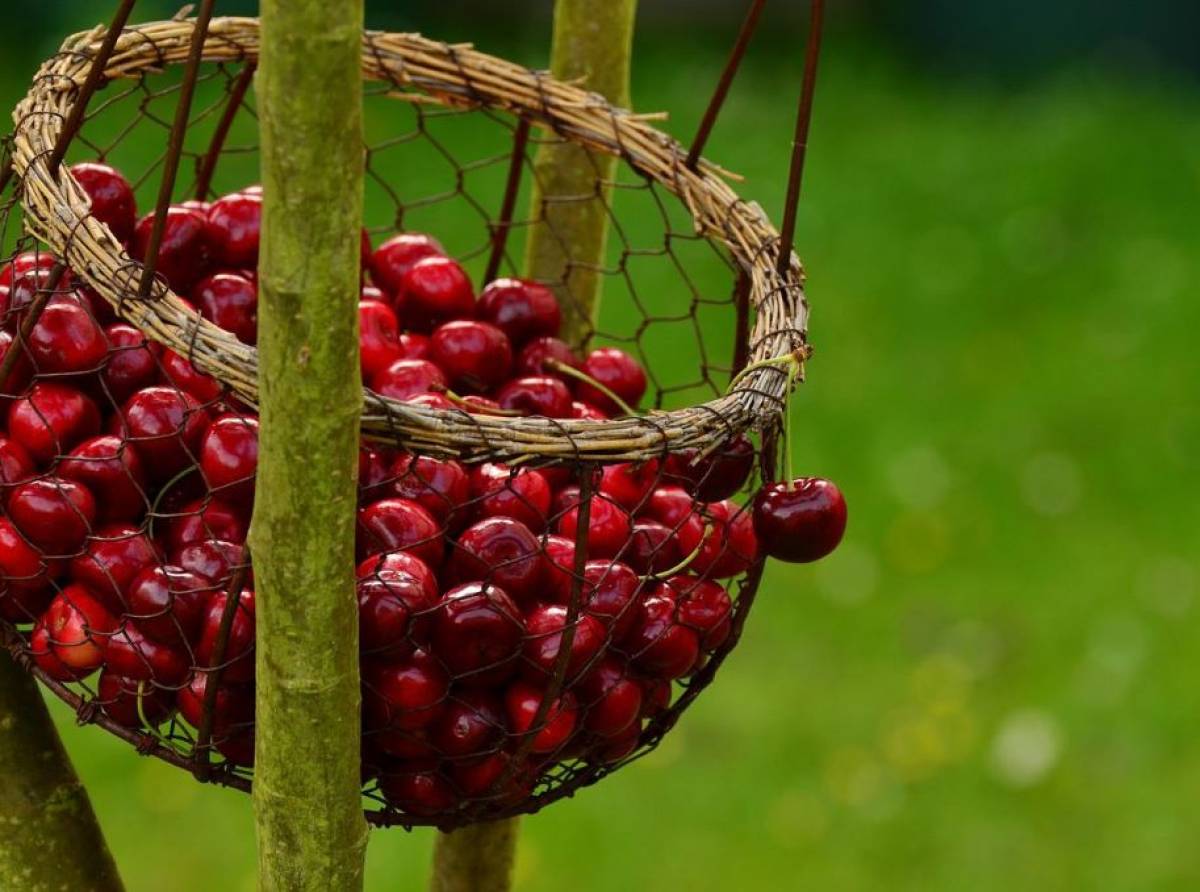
column 992, row 684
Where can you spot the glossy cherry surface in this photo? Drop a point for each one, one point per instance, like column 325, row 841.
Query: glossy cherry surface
column 800, row 521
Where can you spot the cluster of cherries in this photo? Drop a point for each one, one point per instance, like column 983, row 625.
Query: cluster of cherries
column 491, row 650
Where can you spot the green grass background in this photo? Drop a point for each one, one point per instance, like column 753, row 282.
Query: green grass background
column 992, row 685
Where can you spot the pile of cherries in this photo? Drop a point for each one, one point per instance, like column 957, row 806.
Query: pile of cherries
column 127, row 480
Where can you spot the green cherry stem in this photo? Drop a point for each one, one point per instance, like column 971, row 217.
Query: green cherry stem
column 573, row 372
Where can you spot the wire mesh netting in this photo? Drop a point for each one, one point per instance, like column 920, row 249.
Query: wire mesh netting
column 534, row 611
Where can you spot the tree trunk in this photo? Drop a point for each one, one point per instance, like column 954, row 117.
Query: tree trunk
column 50, row 839
column 593, row 41
column 307, row 786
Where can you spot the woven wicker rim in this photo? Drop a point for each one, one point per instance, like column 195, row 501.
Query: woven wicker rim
column 453, row 75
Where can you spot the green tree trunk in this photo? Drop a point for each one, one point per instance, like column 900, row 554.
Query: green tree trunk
column 593, row 42
column 308, row 805
column 50, row 840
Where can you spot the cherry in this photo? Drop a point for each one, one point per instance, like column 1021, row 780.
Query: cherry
column 414, row 346
column 718, row 475
column 499, row 550
column 96, row 306
column 432, row 401
column 442, row 487
column 26, row 287
column 41, row 648
column 26, row 262
column 170, row 604
column 652, row 548
column 521, row 309
column 474, row 355
column 703, row 606
column 406, row 378
column 52, row 420
column 207, row 517
column 587, row 412
column 610, row 592
column 405, row 694
column 129, row 652
column 364, row 247
column 522, row 701
column 656, row 697
column 21, row 373
column 374, row 472
column 378, row 336
column 629, row 484
column 239, row 650
column 232, row 225
column 436, row 289
column 66, row 340
column 54, row 514
column 112, row 469
column 229, row 457
column 616, row 370
column 111, row 197
column 392, row 604
column 547, row 624
column 536, row 395
column 523, row 495
column 671, row 506
column 391, row 260
column 25, row 577
column 610, row 699
column 400, row 525
column 116, row 553
column 418, row 792
column 731, row 546
column 180, row 371
column 535, row 356
column 232, row 719
column 132, row 361
column 183, row 254
column 229, row 300
column 659, row 644
column 609, row 526
column 558, row 571
column 477, row 634
column 167, row 426
column 126, row 700
column 620, row 745
column 213, row 560
column 470, row 723
column 77, row 626
column 800, row 521
column 405, row 563
column 477, row 778
column 400, row 744
column 16, row 465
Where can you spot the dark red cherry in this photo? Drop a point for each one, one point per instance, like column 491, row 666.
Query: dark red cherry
column 609, row 526
column 167, row 427
column 405, row 563
column 129, row 652
column 111, row 197
column 501, row 551
column 25, row 289
column 229, row 300
column 630, row 484
column 481, row 779
column 558, row 571
column 183, row 254
column 213, row 560
column 239, row 649
column 441, row 486
column 720, row 474
column 610, row 700
column 522, row 701
column 54, row 514
column 536, row 395
column 587, row 412
column 127, row 701
column 469, row 725
column 406, row 378
column 391, row 260
column 95, row 305
column 233, row 712
column 179, row 371
column 658, row 643
column 539, row 355
column 610, row 592
column 66, row 340
column 731, row 546
column 703, row 606
column 116, row 553
column 374, row 472
column 400, row 525
column 523, row 495
column 800, row 521
column 52, row 420
column 21, row 373
column 415, row 791
column 16, row 464
column 378, row 337
column 404, row 694
column 393, row 612
column 436, row 290
column 229, row 457
column 11, row 270
column 169, row 604
column 233, row 224
column 133, row 362
column 414, row 346
column 25, row 577
column 208, row 517
column 616, row 370
column 477, row 634
column 42, row 651
column 544, row 640
column 112, row 469
column 652, row 548
column 521, row 309
column 77, row 628
column 620, row 745
column 475, row 356
column 433, row 401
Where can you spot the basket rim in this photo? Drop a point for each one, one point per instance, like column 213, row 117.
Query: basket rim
column 57, row 212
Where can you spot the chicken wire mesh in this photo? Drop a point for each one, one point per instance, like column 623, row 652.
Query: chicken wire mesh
column 553, row 566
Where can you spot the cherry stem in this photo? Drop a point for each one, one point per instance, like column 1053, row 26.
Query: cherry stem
column 787, row 427
column 573, row 372
column 479, row 410
column 687, row 561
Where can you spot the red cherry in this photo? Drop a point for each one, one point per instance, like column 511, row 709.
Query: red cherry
column 535, row 356
column 233, row 223
column 54, row 514
column 16, row 464
column 111, row 197
column 432, row 401
column 78, row 627
column 167, row 427
column 22, row 371
column 523, row 495
column 183, row 253
column 477, row 779
column 66, row 340
column 400, row 744
column 233, row 712
column 180, row 372
column 470, row 724
column 587, row 412
column 25, row 577
column 731, row 545
column 671, row 506
column 96, row 306
column 659, row 644
column 25, row 262
column 620, row 745
column 406, row 694
column 400, row 525
column 52, row 420
column 480, row 405
column 547, row 624
column 239, row 650
column 206, row 518
column 116, row 553
column 41, row 648
column 610, row 699
column 374, row 472
column 169, row 604
column 25, row 288
column 474, row 355
column 501, row 551
column 436, row 290
column 630, row 484
column 477, row 634
column 616, row 370
column 213, row 560
column 229, row 457
column 378, row 337
column 656, row 697
column 414, row 346
column 112, row 469
column 521, row 309
column 391, row 260
column 133, row 362
column 610, row 592
column 718, row 475
column 405, row 563
column 522, row 701
column 229, row 300
column 418, row 792
column 126, row 700
column 392, row 608
column 442, row 487
column 558, row 570
column 609, row 526
column 652, row 548
column 536, row 395
column 406, row 378
column 129, row 652
column 800, row 521
column 703, row 606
